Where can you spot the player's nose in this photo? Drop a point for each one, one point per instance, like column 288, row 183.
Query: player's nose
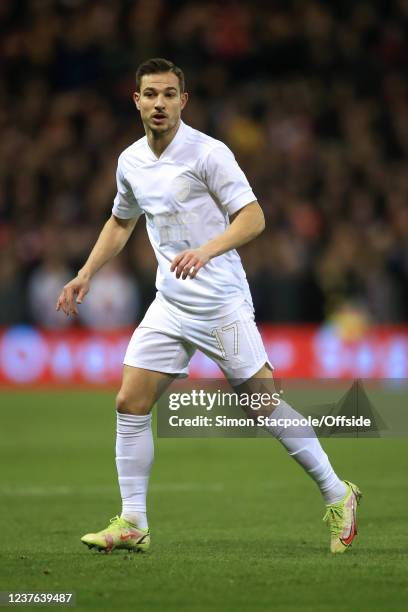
column 160, row 103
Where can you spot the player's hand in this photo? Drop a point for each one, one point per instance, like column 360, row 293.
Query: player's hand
column 189, row 262
column 72, row 294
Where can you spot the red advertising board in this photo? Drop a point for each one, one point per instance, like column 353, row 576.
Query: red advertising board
column 33, row 357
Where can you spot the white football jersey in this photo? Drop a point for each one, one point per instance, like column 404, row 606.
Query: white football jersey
column 186, row 195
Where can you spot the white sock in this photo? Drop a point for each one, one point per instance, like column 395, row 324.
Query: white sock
column 134, row 459
column 303, row 445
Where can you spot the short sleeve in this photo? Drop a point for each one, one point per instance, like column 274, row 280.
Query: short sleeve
column 125, row 205
column 226, row 181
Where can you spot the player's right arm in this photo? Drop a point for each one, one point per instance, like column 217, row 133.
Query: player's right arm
column 111, row 241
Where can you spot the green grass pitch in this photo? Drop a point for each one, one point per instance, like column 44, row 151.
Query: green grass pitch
column 236, row 525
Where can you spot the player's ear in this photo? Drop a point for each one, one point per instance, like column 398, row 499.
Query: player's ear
column 184, row 99
column 136, row 98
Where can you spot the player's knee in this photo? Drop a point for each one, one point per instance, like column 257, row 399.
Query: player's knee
column 132, row 403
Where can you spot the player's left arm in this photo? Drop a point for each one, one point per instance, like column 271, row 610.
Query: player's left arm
column 246, row 224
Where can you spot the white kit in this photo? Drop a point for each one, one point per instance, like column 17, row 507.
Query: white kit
column 187, row 196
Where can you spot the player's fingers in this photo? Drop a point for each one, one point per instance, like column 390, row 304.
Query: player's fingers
column 69, row 300
column 196, row 268
column 81, row 294
column 189, row 267
column 174, row 263
column 182, row 264
column 177, row 260
column 61, row 304
column 181, row 260
column 74, row 309
column 185, row 266
column 186, row 272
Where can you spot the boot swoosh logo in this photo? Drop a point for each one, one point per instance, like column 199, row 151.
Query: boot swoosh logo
column 130, row 535
column 349, row 538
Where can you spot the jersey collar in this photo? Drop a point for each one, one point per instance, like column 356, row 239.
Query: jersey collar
column 177, row 139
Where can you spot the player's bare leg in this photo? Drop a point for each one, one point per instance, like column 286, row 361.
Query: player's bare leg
column 139, row 392
column 341, row 497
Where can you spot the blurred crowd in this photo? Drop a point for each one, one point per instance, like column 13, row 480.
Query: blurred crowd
column 312, row 96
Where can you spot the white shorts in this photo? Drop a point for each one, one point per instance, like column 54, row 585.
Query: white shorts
column 165, row 341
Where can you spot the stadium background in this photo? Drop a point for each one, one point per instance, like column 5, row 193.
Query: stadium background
column 312, row 97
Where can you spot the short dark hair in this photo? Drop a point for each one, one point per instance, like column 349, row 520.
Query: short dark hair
column 158, row 65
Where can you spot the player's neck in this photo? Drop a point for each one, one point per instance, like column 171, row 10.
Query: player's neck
column 159, row 142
